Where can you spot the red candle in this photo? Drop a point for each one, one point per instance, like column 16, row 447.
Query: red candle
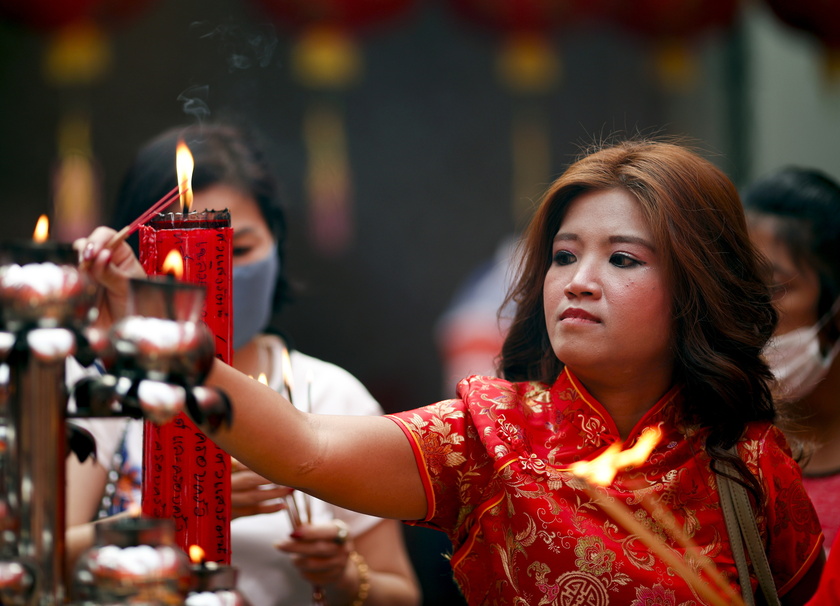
column 186, row 477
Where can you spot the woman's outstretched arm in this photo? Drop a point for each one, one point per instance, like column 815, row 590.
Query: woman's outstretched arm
column 357, row 462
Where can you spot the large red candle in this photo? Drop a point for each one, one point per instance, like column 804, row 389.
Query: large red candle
column 186, row 477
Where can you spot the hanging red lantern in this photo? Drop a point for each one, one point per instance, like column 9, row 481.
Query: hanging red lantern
column 669, row 19
column 45, row 15
column 534, row 16
column 352, row 15
column 51, row 15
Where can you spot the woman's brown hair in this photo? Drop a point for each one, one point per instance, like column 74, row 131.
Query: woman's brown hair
column 722, row 308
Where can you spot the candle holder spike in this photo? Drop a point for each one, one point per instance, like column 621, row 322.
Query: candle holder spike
column 158, row 357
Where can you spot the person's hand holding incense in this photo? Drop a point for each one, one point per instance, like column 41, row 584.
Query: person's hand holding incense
column 111, row 268
column 322, row 554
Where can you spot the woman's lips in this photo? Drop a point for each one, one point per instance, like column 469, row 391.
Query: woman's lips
column 578, row 314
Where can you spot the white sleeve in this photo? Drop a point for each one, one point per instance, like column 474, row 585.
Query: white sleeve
column 332, row 390
column 108, row 433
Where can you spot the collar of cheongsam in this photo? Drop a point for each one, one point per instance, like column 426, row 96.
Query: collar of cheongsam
column 654, row 416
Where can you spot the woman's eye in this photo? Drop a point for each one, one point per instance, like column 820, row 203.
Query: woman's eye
column 241, row 251
column 624, row 260
column 563, row 257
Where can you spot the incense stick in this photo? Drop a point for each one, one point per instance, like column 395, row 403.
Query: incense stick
column 129, row 229
column 307, row 500
column 622, row 514
column 667, row 519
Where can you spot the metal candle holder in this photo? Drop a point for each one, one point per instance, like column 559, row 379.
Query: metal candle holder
column 45, row 302
column 133, row 561
column 157, row 359
column 214, row 585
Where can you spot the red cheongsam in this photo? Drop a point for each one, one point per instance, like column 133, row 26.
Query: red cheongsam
column 494, row 465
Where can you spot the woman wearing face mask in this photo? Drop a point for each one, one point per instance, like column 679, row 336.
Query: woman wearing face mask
column 340, row 547
column 794, row 218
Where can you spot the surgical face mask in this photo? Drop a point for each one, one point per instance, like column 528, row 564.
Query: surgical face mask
column 253, row 293
column 797, row 361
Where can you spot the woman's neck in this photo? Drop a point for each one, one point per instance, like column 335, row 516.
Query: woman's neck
column 629, row 399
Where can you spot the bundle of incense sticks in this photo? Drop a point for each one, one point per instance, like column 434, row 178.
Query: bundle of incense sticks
column 154, row 209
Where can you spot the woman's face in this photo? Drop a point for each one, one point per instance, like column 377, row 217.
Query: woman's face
column 606, row 295
column 252, row 239
column 796, row 290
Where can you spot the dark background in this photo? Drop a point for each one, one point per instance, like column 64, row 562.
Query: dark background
column 428, row 131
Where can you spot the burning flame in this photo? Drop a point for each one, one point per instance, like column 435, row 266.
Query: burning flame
column 173, row 264
column 262, row 378
column 42, row 229
column 196, row 554
column 184, row 165
column 602, row 469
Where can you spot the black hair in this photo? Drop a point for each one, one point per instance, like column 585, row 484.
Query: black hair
column 808, row 203
column 223, row 154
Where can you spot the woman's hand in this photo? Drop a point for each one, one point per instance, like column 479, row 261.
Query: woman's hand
column 252, row 494
column 321, row 553
column 111, row 269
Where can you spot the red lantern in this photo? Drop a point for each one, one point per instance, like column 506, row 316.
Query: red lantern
column 51, row 15
column 670, row 19
column 536, row 16
column 45, row 15
column 353, row 15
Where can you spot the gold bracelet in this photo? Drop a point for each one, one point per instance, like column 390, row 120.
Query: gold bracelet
column 364, row 578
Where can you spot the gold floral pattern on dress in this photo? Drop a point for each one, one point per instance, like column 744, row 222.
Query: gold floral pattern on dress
column 593, row 557
column 657, row 596
column 439, row 440
column 523, row 530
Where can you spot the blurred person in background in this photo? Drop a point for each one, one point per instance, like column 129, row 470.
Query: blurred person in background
column 794, row 219
column 471, row 331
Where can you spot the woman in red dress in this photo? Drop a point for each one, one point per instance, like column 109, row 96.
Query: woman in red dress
column 640, row 304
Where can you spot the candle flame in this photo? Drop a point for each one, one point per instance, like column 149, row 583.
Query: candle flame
column 184, row 165
column 42, row 229
column 602, row 469
column 196, row 554
column 173, row 264
column 263, row 379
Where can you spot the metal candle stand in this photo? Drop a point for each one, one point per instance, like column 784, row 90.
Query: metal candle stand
column 214, row 585
column 45, row 302
column 156, row 359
